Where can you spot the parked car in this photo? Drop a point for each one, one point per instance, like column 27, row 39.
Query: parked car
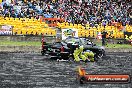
column 65, row 48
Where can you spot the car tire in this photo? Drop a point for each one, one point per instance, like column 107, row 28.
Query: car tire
column 100, row 54
column 71, row 59
column 64, row 55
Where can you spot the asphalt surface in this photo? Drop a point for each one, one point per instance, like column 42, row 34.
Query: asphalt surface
column 31, row 70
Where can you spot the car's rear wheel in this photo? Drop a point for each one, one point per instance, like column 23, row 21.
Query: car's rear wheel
column 64, row 55
column 71, row 58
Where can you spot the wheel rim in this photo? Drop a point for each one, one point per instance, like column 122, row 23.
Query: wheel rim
column 101, row 54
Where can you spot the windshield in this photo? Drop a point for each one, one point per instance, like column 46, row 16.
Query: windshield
column 73, row 40
column 86, row 41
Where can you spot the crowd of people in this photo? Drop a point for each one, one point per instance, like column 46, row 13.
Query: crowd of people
column 75, row 11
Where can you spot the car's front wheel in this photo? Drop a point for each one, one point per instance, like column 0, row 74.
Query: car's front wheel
column 100, row 54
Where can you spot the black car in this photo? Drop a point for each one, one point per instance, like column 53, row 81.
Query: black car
column 65, row 48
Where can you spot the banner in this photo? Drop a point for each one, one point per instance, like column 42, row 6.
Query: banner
column 128, row 37
column 84, row 77
column 69, row 32
column 6, row 30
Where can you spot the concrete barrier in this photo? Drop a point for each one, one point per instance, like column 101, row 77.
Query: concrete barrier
column 38, row 49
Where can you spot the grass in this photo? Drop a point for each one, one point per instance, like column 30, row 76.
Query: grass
column 38, row 43
column 123, row 46
column 19, row 43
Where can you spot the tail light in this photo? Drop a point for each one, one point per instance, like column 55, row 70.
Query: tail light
column 62, row 49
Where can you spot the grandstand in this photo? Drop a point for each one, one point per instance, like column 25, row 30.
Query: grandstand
column 89, row 17
column 25, row 26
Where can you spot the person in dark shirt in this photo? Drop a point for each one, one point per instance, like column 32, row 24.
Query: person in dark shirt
column 28, row 12
column 104, row 34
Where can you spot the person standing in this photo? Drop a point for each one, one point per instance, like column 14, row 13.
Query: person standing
column 104, row 34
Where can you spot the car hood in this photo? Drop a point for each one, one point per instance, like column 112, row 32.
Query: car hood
column 99, row 47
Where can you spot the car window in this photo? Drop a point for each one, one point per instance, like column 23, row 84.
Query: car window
column 57, row 44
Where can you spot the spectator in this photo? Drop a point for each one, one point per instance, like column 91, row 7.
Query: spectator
column 75, row 11
column 104, row 34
